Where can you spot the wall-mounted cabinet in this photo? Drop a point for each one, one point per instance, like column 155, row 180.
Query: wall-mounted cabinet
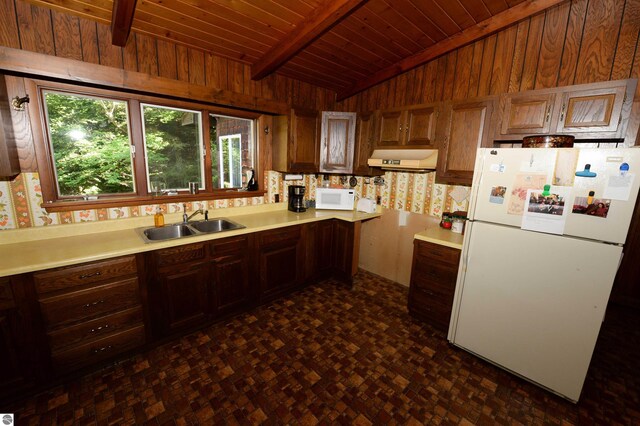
column 337, row 144
column 414, row 126
column 295, row 145
column 366, row 128
column 467, row 127
column 9, row 162
column 587, row 111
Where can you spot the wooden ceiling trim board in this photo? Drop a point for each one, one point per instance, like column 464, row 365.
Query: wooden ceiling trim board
column 313, row 26
column 400, row 23
column 477, row 9
column 42, row 65
column 483, row 29
column 496, row 6
column 220, row 15
column 188, row 17
column 91, row 11
column 121, row 20
column 249, row 10
column 397, row 36
column 457, row 12
column 364, row 34
column 437, row 16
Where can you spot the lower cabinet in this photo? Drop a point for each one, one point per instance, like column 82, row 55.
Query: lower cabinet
column 90, row 312
column 229, row 274
column 280, row 260
column 433, row 282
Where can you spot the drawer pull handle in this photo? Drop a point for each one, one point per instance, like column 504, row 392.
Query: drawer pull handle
column 102, row 349
column 95, row 274
column 92, row 304
column 102, row 327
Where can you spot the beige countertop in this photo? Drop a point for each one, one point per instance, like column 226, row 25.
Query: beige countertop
column 31, row 250
column 438, row 235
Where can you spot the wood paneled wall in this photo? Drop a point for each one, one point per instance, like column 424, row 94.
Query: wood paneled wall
column 579, row 41
column 38, row 29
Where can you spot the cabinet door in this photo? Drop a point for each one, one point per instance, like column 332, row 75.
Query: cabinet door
column 420, row 126
column 337, row 142
column 303, row 141
column 184, row 296
column 391, row 128
column 280, row 261
column 468, row 126
column 318, row 249
column 592, row 110
column 365, row 137
column 230, row 274
column 346, row 237
column 525, row 114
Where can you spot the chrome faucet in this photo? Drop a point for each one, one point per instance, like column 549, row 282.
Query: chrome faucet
column 186, row 218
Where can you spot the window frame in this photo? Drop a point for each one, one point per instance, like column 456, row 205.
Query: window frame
column 46, row 168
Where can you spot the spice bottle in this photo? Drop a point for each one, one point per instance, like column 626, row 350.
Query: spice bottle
column 158, row 218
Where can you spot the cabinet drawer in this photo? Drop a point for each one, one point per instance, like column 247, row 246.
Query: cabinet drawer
column 95, row 329
column 6, row 295
column 436, row 312
column 276, row 236
column 89, row 303
column 176, row 255
column 70, row 277
column 436, row 253
column 99, row 350
column 430, row 275
column 229, row 245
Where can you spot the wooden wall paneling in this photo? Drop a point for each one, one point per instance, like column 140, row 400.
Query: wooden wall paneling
column 196, row 67
column 383, row 92
column 30, row 32
column 450, row 75
column 110, row 55
column 429, row 81
column 532, row 56
column 635, row 70
column 599, row 41
column 476, row 66
column 147, row 54
column 267, row 86
column 251, row 87
column 438, row 93
column 628, row 41
column 167, row 60
column 572, row 42
column 236, row 76
column 555, row 29
column 130, row 54
column 66, row 31
column 503, row 61
column 463, row 72
column 21, row 127
column 418, row 93
column 519, row 51
column 182, row 63
column 391, row 93
column 488, row 54
column 89, row 42
column 400, row 95
column 9, row 34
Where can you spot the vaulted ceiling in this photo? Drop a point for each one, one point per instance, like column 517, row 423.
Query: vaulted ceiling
column 342, row 45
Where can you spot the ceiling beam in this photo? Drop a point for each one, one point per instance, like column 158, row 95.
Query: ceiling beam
column 121, row 20
column 469, row 35
column 313, row 26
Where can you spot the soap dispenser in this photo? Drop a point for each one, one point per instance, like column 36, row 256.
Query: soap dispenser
column 158, row 218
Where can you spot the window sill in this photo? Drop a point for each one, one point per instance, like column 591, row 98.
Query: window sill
column 103, row 203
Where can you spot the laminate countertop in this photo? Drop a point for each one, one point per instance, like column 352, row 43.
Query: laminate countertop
column 40, row 248
column 444, row 237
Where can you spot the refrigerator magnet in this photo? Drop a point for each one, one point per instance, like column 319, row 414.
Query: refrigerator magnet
column 497, row 194
column 586, row 172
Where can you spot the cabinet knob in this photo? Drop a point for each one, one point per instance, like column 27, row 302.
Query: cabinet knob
column 95, row 274
column 102, row 327
column 92, row 304
column 102, row 349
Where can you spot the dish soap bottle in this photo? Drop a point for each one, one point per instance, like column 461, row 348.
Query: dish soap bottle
column 252, row 185
column 158, row 218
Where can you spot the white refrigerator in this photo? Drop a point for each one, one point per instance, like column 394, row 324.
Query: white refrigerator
column 539, row 257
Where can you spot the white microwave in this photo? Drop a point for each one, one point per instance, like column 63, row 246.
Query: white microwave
column 335, row 198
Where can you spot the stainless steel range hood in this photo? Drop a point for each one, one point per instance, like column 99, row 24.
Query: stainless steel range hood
column 404, row 159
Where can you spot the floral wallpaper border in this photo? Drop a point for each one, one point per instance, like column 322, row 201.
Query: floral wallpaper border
column 20, row 198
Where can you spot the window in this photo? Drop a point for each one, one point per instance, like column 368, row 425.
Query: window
column 90, row 144
column 173, row 147
column 102, row 148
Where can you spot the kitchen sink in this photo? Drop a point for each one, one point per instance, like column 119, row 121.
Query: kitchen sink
column 181, row 230
column 215, row 225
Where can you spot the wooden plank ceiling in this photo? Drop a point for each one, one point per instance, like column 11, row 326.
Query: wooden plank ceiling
column 342, row 45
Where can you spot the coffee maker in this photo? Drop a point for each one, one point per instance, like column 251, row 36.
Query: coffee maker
column 296, row 198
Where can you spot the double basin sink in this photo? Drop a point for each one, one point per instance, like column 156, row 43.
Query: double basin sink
column 181, row 230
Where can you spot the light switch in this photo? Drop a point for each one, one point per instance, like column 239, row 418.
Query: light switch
column 402, row 218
